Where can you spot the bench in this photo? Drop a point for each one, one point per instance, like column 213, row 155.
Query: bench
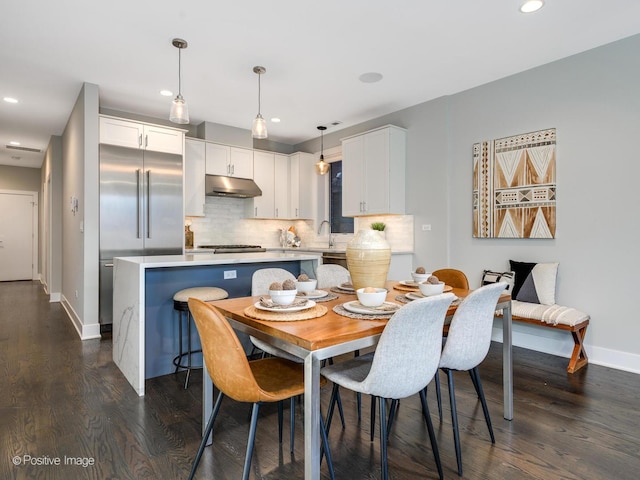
column 560, row 318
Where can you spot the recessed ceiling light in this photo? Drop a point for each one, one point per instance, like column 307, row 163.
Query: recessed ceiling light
column 275, row 120
column 531, row 6
column 14, row 143
column 166, row 93
column 10, row 100
column 370, row 77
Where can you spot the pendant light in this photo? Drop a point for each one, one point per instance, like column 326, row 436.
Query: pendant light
column 259, row 129
column 322, row 167
column 179, row 109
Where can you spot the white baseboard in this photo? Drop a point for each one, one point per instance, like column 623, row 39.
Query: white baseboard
column 55, row 297
column 85, row 332
column 560, row 343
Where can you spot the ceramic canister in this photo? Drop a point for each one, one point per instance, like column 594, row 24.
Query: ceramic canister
column 368, row 259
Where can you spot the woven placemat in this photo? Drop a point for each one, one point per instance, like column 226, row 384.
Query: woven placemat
column 308, row 314
column 340, row 310
column 341, row 291
column 408, row 288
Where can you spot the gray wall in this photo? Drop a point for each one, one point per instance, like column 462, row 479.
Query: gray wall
column 19, row 178
column 80, row 239
column 593, row 100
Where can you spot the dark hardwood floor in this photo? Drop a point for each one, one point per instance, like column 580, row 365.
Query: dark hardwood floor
column 61, row 397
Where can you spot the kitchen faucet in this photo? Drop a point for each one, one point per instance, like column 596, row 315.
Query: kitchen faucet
column 329, row 226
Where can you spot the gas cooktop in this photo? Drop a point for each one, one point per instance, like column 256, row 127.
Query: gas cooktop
column 233, row 248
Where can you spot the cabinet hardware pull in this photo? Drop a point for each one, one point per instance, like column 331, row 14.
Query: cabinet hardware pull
column 148, row 203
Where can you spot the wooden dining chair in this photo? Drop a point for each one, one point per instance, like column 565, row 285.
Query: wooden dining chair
column 258, row 382
column 410, row 338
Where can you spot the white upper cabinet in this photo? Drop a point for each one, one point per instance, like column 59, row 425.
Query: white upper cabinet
column 264, row 174
column 127, row 133
column 194, row 177
column 373, row 172
column 282, row 186
column 229, row 161
column 301, row 177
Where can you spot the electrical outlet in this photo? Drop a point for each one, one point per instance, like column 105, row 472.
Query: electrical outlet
column 426, row 228
column 228, row 274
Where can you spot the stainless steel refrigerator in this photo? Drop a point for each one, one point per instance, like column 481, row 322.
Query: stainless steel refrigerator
column 141, row 211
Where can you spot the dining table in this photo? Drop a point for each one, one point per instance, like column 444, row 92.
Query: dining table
column 335, row 331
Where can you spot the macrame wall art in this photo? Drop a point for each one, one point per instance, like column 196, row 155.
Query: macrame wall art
column 514, row 186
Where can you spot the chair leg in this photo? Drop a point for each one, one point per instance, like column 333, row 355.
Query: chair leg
column 438, row 393
column 392, row 413
column 475, row 383
column 326, row 449
column 432, row 433
column 292, row 422
column 359, row 402
column 341, row 411
column 383, row 440
column 373, row 417
column 207, row 432
column 332, row 402
column 250, row 442
column 454, row 420
column 280, row 417
column 475, row 375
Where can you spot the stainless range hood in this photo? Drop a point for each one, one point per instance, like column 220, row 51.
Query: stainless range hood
column 221, row 186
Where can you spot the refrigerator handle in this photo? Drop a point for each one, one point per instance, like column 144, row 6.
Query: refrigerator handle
column 139, row 206
column 149, row 203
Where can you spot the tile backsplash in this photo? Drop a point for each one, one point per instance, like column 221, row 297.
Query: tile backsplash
column 224, row 223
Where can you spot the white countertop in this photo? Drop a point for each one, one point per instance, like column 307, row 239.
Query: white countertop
column 195, row 259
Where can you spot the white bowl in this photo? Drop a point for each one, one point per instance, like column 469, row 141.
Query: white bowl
column 429, row 289
column 283, row 297
column 373, row 299
column 420, row 277
column 307, row 285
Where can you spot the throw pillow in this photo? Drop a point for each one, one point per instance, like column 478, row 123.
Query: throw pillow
column 489, row 276
column 534, row 282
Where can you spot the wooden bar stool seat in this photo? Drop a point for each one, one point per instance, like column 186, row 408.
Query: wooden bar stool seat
column 183, row 360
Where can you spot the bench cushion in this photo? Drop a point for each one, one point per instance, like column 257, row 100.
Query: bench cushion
column 552, row 314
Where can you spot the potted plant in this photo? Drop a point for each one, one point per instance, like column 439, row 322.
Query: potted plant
column 379, row 226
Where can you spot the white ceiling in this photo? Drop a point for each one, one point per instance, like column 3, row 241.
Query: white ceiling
column 313, row 51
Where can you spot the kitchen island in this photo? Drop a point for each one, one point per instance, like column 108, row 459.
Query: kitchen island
column 145, row 326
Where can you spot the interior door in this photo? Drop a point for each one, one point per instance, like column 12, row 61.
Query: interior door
column 17, row 236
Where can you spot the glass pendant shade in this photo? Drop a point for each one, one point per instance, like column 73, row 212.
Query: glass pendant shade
column 179, row 111
column 322, row 167
column 259, row 129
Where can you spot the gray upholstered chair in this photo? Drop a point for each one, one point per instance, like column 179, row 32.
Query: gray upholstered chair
column 405, row 360
column 258, row 382
column 330, row 275
column 466, row 347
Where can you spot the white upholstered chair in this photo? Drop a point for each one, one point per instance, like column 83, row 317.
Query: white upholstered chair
column 330, row 275
column 405, row 360
column 466, row 347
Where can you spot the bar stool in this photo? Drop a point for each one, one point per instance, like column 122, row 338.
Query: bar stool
column 180, row 303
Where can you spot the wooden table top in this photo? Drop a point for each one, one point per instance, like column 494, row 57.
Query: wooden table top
column 330, row 329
